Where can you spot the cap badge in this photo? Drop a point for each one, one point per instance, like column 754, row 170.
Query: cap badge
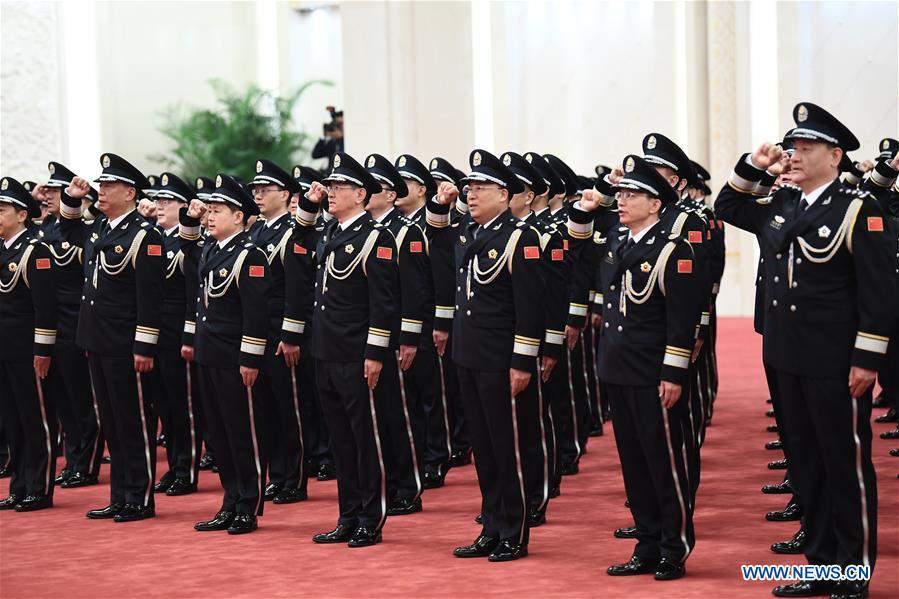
column 645, row 267
column 507, row 160
column 151, row 179
column 348, row 248
column 199, row 183
column 371, row 161
column 218, row 181
column 434, row 164
column 165, row 179
column 476, row 160
column 53, row 168
column 629, row 165
column 493, row 254
column 5, row 185
column 651, row 142
column 802, row 113
column 105, row 161
column 529, row 158
column 336, row 161
column 297, row 172
column 885, row 145
column 118, row 249
column 223, row 272
column 258, row 166
column 824, row 231
column 402, row 161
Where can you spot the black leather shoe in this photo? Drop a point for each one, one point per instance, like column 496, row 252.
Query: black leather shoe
column 792, row 547
column 341, row 534
column 627, row 503
column 221, row 521
column 895, row 452
column 891, row 416
column 778, row 464
column 207, row 462
column 161, row 441
column 669, row 569
column 850, row 589
column 508, row 551
column 10, row 502
column 270, row 491
column 326, row 472
column 63, row 476
column 554, row 491
column 772, row 428
column 596, row 431
column 769, row 400
column 365, row 537
column 106, row 459
column 33, row 503
column 569, row 469
column 242, row 524
column 633, row 567
column 290, row 496
column 627, row 532
column 80, row 480
column 805, row 588
column 105, row 513
column 482, row 547
column 460, row 458
column 403, row 507
column 789, row 514
column 163, row 485
column 479, row 519
column 881, row 401
column 890, row 434
column 132, row 512
column 180, row 487
column 770, row 413
column 432, row 480
column 780, row 488
column 774, row 445
column 5, row 471
column 536, row 517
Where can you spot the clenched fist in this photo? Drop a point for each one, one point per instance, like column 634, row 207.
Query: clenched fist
column 78, row 188
column 766, row 155
column 447, row 193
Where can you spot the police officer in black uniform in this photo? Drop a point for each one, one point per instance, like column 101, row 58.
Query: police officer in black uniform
column 272, row 232
column 229, row 348
column 28, row 320
column 827, row 325
column 497, row 332
column 354, row 310
column 118, row 325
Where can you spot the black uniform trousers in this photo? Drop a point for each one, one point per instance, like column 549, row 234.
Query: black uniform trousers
column 491, row 414
column 69, row 387
column 654, row 467
column 353, row 414
column 29, row 423
column 537, row 442
column 558, row 392
column 782, row 429
column 233, row 415
column 424, row 390
column 176, row 405
column 693, row 428
column 580, row 387
column 128, row 420
column 278, row 390
column 400, row 454
column 829, row 440
column 594, row 412
column 450, row 379
column 316, row 440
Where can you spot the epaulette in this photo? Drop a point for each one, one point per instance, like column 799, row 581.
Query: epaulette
column 200, row 243
column 378, row 226
column 765, row 200
column 454, row 225
column 144, row 224
column 520, row 223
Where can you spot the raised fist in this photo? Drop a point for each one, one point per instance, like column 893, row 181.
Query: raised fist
column 615, row 176
column 317, row 193
column 447, row 193
column 196, row 209
column 766, row 155
column 590, row 200
column 78, row 188
column 146, row 208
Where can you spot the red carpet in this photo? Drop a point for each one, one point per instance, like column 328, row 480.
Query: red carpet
column 60, row 553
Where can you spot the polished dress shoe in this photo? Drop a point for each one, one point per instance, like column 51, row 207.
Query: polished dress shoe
column 290, row 496
column 789, row 514
column 508, row 551
column 270, row 491
column 180, row 486
column 33, row 503
column 669, row 569
column 850, row 589
column 364, row 537
column 160, row 441
column 805, row 588
column 326, row 472
column 163, row 485
column 554, row 491
column 221, row 521
column 207, row 462
column 770, row 413
column 482, row 547
column 891, row 416
column 80, row 480
column 5, row 471
column 780, row 488
column 479, row 519
column 341, row 534
column 63, row 476
column 536, row 517
column 10, row 502
column 794, row 546
column 105, row 513
column 106, row 459
column 895, row 452
column 772, row 428
column 432, row 480
column 242, row 524
column 569, row 469
column 460, row 458
column 404, row 507
column 890, row 434
column 774, row 445
column 778, row 464
column 132, row 512
column 627, row 532
column 633, row 567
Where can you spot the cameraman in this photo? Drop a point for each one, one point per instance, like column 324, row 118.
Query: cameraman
column 332, row 140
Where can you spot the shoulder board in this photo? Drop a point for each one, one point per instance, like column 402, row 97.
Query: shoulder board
column 765, row 200
column 454, row 225
column 144, row 224
column 378, row 226
column 200, row 243
column 520, row 223
column 248, row 244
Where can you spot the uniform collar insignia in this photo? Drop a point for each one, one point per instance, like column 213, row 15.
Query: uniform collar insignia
column 826, row 202
column 650, row 240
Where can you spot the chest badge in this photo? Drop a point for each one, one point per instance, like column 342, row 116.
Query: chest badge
column 348, row 248
column 94, row 237
column 462, row 239
column 223, row 272
column 824, row 231
column 270, row 247
column 645, row 267
column 169, row 254
column 778, row 221
column 493, row 254
column 65, row 245
column 118, row 249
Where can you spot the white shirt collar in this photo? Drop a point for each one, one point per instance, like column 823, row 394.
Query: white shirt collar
column 349, row 222
column 171, row 230
column 269, row 223
column 812, row 197
column 415, row 214
column 227, row 240
column 8, row 242
column 381, row 218
column 115, row 222
column 490, row 222
column 542, row 210
column 641, row 233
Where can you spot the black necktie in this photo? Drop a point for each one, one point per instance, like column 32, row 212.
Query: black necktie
column 105, row 230
column 473, row 230
column 624, row 249
column 803, row 205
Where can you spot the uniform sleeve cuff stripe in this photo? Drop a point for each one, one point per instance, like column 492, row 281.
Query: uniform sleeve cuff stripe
column 555, row 338
column 410, row 327
column 149, row 338
column 525, row 349
column 190, row 327
column 252, row 348
column 378, row 340
column 676, row 361
column 867, row 343
column 293, row 326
